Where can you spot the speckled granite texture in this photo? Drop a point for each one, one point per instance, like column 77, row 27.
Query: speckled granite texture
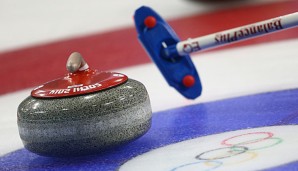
column 85, row 124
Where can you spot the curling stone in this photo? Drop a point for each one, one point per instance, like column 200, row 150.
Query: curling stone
column 83, row 113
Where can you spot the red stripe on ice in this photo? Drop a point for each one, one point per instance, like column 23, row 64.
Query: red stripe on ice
column 35, row 65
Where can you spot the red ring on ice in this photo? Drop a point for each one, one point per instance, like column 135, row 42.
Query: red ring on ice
column 268, row 135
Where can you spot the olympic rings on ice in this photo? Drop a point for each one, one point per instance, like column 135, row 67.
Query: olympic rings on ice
column 244, row 145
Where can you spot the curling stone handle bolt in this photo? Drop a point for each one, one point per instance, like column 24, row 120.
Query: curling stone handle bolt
column 76, row 63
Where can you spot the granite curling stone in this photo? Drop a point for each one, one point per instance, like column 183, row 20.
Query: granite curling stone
column 84, row 113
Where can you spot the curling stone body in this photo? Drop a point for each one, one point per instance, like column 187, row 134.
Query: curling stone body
column 85, row 124
column 83, row 113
